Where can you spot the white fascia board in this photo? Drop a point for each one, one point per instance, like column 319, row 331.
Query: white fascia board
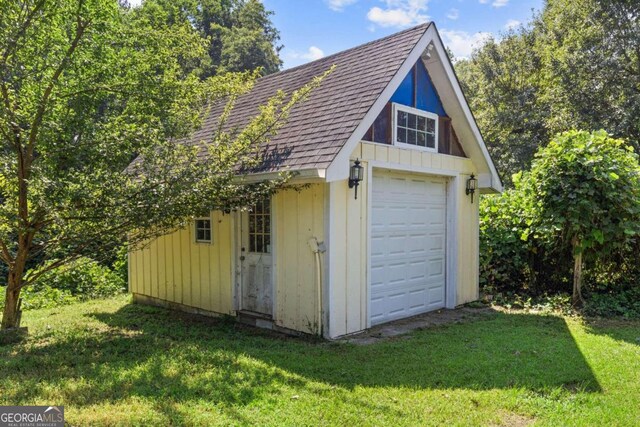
column 339, row 167
column 486, row 184
column 297, row 176
column 495, row 183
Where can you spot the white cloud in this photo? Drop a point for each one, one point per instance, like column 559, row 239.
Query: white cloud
column 484, row 1
column 453, row 14
column 462, row 43
column 511, row 24
column 399, row 13
column 339, row 5
column 499, row 3
column 310, row 55
column 313, row 53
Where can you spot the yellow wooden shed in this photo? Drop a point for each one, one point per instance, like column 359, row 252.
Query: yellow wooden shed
column 391, row 124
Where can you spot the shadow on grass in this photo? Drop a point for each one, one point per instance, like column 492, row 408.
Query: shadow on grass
column 617, row 329
column 171, row 358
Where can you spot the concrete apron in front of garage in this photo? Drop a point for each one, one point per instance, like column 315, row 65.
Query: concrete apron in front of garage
column 421, row 321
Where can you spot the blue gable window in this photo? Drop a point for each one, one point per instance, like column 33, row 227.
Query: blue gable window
column 417, row 92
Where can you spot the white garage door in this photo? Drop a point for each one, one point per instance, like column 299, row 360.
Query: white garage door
column 407, row 245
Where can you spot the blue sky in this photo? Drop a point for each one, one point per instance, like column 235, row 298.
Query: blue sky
column 311, row 29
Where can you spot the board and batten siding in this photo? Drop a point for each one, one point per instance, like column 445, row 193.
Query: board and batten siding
column 298, row 215
column 174, row 268
column 348, row 232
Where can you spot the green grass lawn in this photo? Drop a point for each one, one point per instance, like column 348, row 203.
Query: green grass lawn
column 113, row 363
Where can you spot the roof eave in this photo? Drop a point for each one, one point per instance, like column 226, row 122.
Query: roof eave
column 298, row 176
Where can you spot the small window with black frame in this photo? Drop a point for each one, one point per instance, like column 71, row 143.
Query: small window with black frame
column 203, row 230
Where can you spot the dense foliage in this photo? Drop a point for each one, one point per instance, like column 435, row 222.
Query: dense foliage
column 81, row 280
column 239, row 33
column 86, row 87
column 581, row 197
column 575, row 66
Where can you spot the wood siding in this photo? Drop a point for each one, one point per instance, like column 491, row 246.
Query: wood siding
column 298, row 216
column 175, row 268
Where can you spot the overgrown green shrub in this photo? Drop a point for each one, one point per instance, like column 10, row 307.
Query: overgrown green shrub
column 625, row 303
column 581, row 196
column 42, row 297
column 84, row 279
column 81, row 280
column 121, row 263
column 505, row 259
column 512, row 259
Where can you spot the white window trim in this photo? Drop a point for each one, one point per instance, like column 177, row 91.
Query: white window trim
column 411, row 110
column 195, row 230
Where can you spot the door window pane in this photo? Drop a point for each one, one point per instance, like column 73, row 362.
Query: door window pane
column 260, row 227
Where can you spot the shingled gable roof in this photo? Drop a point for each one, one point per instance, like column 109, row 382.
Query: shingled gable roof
column 318, row 128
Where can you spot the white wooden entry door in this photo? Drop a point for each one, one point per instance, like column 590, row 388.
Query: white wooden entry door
column 256, row 260
column 408, row 234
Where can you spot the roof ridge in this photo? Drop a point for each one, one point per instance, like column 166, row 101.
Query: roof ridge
column 325, row 58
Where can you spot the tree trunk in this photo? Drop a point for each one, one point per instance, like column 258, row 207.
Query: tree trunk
column 577, row 300
column 10, row 314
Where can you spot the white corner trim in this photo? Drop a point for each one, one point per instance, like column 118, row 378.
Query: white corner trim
column 339, row 167
column 451, row 268
column 370, row 166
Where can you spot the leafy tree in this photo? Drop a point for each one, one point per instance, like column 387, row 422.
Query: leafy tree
column 590, row 51
column 575, row 66
column 239, row 33
column 86, row 86
column 579, row 204
column 586, row 188
column 502, row 83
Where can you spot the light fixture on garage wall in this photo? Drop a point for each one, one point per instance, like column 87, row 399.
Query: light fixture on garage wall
column 355, row 176
column 472, row 184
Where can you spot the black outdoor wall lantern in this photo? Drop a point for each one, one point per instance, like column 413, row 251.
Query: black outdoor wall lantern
column 355, row 176
column 472, row 184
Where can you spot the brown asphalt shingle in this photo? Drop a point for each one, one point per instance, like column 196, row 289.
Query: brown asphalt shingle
column 318, row 128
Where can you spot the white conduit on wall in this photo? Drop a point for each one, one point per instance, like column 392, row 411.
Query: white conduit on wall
column 317, row 248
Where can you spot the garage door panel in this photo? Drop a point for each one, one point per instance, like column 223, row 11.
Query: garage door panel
column 437, row 216
column 436, row 268
column 417, row 271
column 436, row 243
column 407, row 245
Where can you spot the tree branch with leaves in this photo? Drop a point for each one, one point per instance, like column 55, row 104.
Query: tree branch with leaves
column 88, row 86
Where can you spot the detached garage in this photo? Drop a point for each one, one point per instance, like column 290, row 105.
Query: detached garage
column 385, row 222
